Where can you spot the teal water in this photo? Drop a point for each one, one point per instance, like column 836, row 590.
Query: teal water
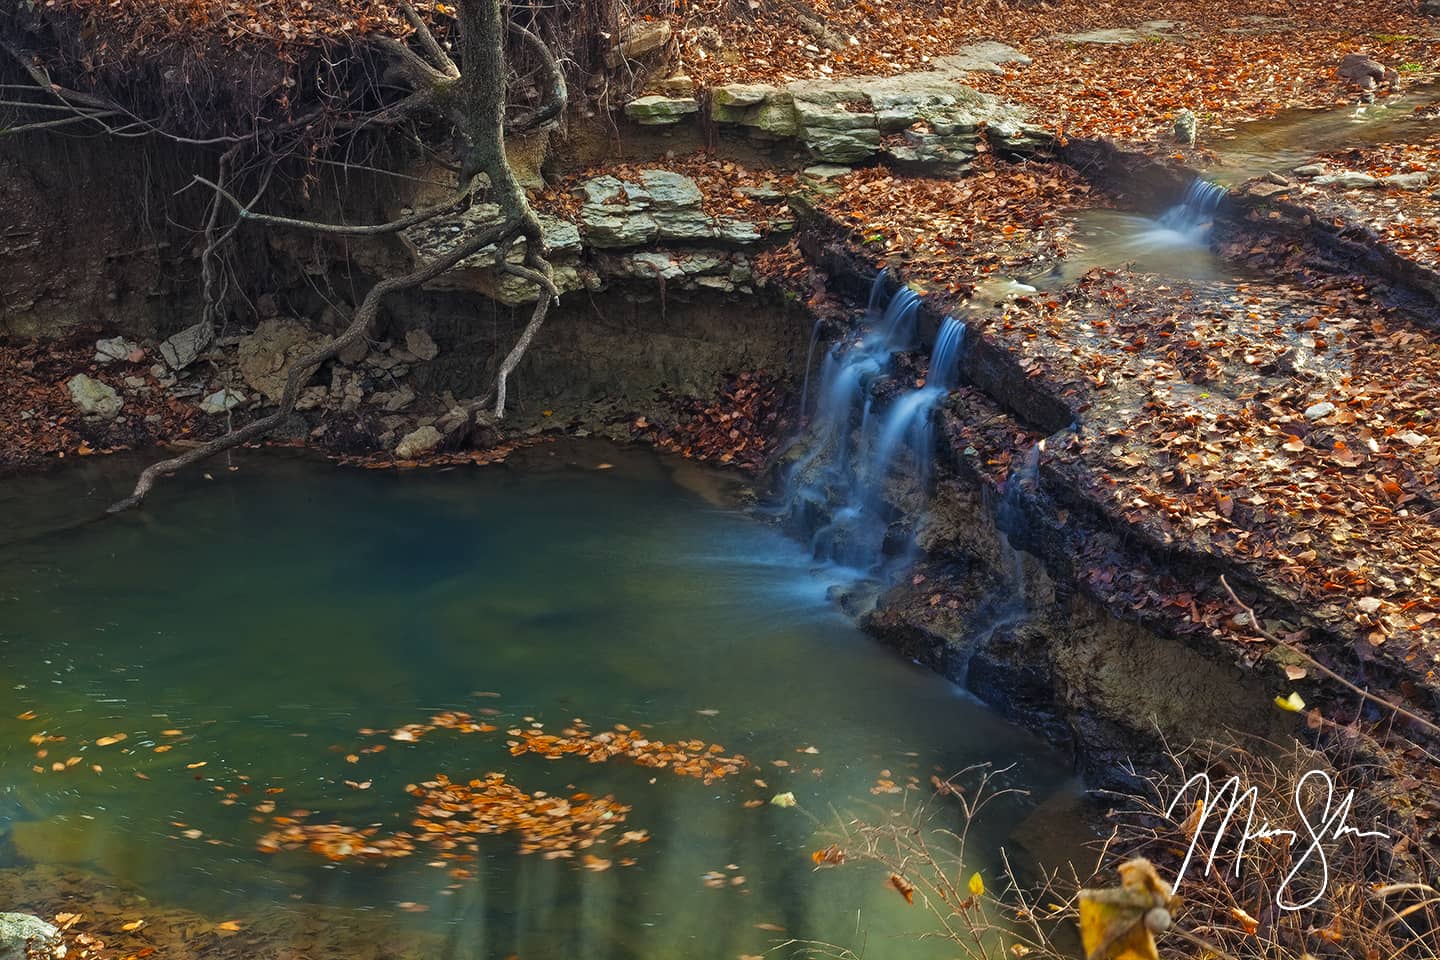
column 273, row 611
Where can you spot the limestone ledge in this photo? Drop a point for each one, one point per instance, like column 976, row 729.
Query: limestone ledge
column 653, row 230
column 938, row 119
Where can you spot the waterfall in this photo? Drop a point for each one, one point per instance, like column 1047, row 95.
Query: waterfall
column 840, row 486
column 1195, row 212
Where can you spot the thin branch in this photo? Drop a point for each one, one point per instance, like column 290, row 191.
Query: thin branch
column 454, row 205
column 51, row 124
column 1378, row 701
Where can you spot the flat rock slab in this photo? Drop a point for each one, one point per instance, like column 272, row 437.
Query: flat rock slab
column 1149, row 30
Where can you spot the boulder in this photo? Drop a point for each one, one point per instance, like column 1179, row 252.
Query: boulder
column 116, row 348
column 1365, row 72
column 185, row 347
column 93, row 398
column 418, row 442
column 1309, row 170
column 266, row 356
column 657, row 111
column 23, row 937
column 221, row 400
column 419, row 343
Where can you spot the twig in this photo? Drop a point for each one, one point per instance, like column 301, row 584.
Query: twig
column 1378, row 701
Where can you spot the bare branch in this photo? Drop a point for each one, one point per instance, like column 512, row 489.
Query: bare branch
column 453, row 205
column 1255, row 624
column 428, row 41
column 306, row 366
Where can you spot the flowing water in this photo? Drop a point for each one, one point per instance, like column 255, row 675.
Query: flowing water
column 840, row 488
column 268, row 615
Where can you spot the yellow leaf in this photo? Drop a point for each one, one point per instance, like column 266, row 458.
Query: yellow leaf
column 1113, row 922
column 1292, row 703
column 229, row 926
column 786, row 799
column 1248, row 923
column 132, row 925
column 977, row 886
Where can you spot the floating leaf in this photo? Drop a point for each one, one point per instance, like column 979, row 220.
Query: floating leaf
column 786, row 799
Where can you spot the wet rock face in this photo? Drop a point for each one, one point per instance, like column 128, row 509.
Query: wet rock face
column 23, row 937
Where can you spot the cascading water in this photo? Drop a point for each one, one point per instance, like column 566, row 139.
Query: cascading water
column 1194, row 214
column 840, row 487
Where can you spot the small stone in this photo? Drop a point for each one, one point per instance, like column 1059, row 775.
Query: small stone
column 95, row 399
column 826, row 171
column 637, row 40
column 418, row 341
column 135, row 383
column 1309, row 170
column 116, row 348
column 221, row 400
column 418, row 442
column 1186, row 127
column 1319, row 411
column 311, row 397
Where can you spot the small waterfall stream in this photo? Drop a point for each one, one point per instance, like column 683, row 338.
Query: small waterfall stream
column 839, row 488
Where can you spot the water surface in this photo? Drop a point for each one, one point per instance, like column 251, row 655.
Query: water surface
column 272, row 612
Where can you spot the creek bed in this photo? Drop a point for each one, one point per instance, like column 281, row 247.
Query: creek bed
column 272, row 612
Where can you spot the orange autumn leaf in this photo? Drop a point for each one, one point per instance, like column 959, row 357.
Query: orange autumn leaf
column 905, row 888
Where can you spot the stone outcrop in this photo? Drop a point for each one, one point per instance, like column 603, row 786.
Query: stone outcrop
column 658, row 110
column 939, row 121
column 652, row 227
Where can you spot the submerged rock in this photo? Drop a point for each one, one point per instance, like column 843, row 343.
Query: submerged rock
column 418, row 442
column 23, row 937
column 93, row 398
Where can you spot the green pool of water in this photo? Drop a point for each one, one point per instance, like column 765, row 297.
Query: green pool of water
column 273, row 611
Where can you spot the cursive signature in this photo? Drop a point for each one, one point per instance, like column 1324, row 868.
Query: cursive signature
column 1327, row 824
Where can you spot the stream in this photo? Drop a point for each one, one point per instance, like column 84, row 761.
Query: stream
column 252, row 624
